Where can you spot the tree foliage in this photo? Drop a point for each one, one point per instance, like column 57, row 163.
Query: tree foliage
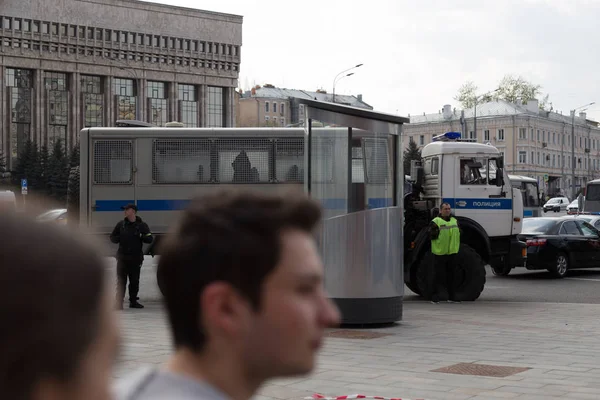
column 412, row 152
column 47, row 173
column 58, row 172
column 511, row 88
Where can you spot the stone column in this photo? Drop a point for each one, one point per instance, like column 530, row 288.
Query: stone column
column 76, row 110
column 39, row 99
column 202, row 102
column 172, row 101
column 109, row 117
column 142, row 99
column 4, row 114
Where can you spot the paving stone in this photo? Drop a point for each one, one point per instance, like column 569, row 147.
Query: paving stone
column 557, row 341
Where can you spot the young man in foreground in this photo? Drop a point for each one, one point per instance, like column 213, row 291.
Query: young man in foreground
column 243, row 287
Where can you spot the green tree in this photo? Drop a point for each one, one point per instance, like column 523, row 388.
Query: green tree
column 412, row 152
column 27, row 166
column 42, row 169
column 74, row 156
column 58, row 172
column 511, row 88
column 2, row 163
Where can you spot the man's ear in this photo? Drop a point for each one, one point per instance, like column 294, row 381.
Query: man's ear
column 224, row 311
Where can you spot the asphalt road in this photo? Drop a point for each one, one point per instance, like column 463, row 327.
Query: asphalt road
column 580, row 286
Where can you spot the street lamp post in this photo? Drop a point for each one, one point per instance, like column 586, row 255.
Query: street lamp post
column 573, row 160
column 336, row 77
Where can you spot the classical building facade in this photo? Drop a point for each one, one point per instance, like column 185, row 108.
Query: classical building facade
column 534, row 142
column 273, row 106
column 70, row 64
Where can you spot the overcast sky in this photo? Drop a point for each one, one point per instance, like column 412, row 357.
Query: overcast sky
column 417, row 53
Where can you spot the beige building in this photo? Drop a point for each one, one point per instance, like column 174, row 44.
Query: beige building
column 272, row 106
column 69, row 64
column 535, row 143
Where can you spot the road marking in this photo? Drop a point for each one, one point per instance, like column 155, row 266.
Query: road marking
column 496, row 287
column 584, row 279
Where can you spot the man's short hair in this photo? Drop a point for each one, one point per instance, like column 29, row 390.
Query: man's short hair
column 230, row 236
column 445, row 203
column 50, row 304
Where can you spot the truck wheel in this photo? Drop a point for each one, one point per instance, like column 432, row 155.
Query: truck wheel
column 469, row 274
column 413, row 284
column 501, row 270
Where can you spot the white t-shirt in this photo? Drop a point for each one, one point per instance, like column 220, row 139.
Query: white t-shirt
column 154, row 384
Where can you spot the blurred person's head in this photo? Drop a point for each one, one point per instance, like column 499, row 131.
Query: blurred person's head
column 242, row 280
column 130, row 211
column 58, row 335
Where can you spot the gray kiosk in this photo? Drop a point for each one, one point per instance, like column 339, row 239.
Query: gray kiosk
column 353, row 162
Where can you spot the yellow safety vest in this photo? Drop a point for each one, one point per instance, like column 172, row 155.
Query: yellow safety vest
column 448, row 242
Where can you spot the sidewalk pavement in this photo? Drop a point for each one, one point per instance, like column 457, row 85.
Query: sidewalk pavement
column 555, row 345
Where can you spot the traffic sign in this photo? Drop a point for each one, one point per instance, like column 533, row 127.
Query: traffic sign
column 24, row 184
column 24, row 190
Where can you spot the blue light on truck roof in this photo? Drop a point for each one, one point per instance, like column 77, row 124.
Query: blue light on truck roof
column 447, row 136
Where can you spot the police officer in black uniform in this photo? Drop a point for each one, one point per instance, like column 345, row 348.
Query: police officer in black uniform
column 130, row 233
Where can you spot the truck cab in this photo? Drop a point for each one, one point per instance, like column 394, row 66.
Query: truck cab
column 470, row 177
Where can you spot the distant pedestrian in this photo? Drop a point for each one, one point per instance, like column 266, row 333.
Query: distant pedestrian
column 58, row 331
column 445, row 243
column 130, row 234
column 242, row 281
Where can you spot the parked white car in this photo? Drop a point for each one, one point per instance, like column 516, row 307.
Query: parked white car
column 556, row 204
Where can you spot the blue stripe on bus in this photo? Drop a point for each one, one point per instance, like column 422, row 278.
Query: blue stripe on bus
column 527, row 213
column 480, row 204
column 380, row 203
column 176, row 205
column 111, row 205
column 162, row 205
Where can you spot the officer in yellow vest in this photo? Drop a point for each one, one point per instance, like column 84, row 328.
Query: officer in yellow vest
column 445, row 242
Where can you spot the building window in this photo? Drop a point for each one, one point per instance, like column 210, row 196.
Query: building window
column 522, row 157
column 281, row 109
column 538, row 135
column 531, row 159
column 157, row 95
column 19, row 83
column 421, row 140
column 532, row 135
column 553, row 160
column 522, row 133
column 188, row 108
column 472, row 135
column 93, row 100
column 501, row 134
column 486, row 135
column 274, row 107
column 58, row 107
column 553, row 137
column 126, row 94
column 216, row 107
column 538, row 158
column 266, row 106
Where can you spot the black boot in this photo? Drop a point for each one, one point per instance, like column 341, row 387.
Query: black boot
column 135, row 304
